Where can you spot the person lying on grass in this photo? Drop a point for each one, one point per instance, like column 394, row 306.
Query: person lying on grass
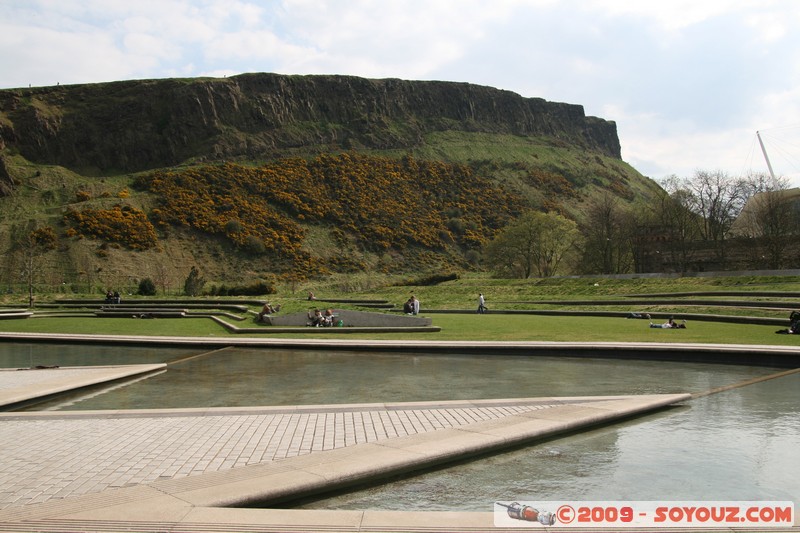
column 669, row 324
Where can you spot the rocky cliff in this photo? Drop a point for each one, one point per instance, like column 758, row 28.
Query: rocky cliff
column 136, row 125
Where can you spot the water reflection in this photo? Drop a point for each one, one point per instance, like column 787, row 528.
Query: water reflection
column 24, row 355
column 736, row 445
column 235, row 377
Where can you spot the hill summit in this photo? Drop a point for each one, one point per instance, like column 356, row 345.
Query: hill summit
column 131, row 126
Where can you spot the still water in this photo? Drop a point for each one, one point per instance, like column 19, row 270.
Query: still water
column 233, row 377
column 737, row 445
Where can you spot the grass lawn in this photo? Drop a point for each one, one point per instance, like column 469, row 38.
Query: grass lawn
column 461, row 294
column 455, row 327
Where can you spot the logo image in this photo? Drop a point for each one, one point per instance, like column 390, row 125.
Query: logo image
column 529, row 514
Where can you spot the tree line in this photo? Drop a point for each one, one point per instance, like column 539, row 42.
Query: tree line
column 709, row 221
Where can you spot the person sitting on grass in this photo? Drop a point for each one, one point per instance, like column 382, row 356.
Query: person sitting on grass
column 268, row 309
column 315, row 319
column 794, row 324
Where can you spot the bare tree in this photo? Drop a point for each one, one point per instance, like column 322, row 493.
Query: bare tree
column 32, row 247
column 607, row 238
column 674, row 223
column 161, row 276
column 717, row 198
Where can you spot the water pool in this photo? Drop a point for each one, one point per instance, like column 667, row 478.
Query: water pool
column 735, row 445
column 234, row 377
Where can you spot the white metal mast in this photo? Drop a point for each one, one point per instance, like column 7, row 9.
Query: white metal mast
column 766, row 157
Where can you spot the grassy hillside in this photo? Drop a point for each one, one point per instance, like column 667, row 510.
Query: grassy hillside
column 401, row 222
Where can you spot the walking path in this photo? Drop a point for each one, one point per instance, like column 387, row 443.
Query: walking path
column 58, row 455
column 18, row 386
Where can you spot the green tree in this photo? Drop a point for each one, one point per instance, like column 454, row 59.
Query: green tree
column 193, row 285
column 33, row 246
column 536, row 243
column 147, row 287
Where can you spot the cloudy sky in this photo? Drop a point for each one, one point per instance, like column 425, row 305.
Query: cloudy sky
column 688, row 82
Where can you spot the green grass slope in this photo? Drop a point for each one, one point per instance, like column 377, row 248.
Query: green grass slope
column 547, row 173
column 463, row 324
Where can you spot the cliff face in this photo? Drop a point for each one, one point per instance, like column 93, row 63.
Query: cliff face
column 138, row 125
column 6, row 183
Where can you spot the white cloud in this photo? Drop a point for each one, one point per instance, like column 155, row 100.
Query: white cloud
column 399, row 39
column 687, row 82
column 675, row 15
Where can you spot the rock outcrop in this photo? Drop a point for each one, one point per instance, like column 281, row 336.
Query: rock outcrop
column 138, row 125
column 6, row 182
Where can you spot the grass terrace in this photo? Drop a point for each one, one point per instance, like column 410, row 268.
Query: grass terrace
column 512, row 304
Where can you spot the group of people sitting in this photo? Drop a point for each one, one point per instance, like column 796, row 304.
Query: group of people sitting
column 669, row 324
column 411, row 307
column 319, row 319
column 268, row 309
column 113, row 297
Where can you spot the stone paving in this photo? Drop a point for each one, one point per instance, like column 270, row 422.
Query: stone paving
column 18, row 378
column 56, row 455
column 18, row 386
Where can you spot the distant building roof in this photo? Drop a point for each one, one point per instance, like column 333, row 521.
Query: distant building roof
column 742, row 227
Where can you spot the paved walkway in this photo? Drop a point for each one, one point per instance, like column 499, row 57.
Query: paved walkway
column 47, row 456
column 22, row 385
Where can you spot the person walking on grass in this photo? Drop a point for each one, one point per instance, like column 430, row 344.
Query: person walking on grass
column 481, row 304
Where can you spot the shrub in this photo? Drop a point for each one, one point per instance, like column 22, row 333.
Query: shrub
column 256, row 289
column 121, row 224
column 44, row 237
column 233, row 226
column 194, row 283
column 473, row 257
column 147, row 287
column 367, row 199
column 254, row 245
column 433, row 279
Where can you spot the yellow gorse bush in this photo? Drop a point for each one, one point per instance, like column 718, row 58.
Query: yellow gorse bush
column 124, row 225
column 384, row 203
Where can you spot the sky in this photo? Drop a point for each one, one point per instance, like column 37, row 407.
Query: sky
column 688, row 82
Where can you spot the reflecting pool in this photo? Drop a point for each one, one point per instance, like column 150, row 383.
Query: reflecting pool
column 735, row 445
column 234, row 377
